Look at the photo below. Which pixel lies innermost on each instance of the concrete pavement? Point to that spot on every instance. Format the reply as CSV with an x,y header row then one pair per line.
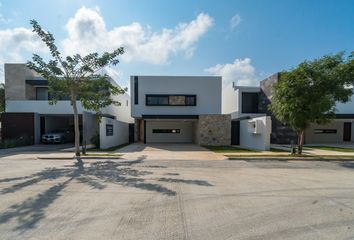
x,y
176,199
168,152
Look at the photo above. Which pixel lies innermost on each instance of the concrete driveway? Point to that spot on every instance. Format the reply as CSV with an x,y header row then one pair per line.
x,y
178,199
34,149
168,152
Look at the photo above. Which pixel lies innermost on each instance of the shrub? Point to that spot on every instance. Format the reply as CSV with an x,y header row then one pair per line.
x,y
95,140
21,141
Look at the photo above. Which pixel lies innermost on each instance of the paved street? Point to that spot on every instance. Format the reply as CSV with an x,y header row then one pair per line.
x,y
176,199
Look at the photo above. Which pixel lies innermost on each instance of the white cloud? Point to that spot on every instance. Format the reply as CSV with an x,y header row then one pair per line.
x,y
87,32
240,71
235,21
15,43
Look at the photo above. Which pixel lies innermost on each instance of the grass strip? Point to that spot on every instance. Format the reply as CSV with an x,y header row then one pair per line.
x,y
111,149
228,149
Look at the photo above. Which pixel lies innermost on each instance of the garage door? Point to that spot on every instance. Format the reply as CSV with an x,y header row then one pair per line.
x,y
169,132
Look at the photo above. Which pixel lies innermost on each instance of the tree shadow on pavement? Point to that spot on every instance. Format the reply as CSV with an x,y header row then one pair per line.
x,y
95,174
347,164
176,180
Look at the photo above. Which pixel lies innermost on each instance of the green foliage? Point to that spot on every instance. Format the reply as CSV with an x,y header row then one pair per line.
x,y
10,143
95,140
308,93
77,77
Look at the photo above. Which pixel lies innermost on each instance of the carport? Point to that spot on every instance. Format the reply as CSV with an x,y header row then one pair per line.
x,y
168,129
51,122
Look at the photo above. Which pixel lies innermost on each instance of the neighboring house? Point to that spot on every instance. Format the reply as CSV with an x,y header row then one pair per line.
x,y
179,109
250,127
28,113
340,130
252,102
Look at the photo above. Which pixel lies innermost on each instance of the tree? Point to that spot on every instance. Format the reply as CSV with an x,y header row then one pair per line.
x,y
76,77
308,93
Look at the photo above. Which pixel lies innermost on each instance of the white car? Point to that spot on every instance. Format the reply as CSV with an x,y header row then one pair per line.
x,y
58,136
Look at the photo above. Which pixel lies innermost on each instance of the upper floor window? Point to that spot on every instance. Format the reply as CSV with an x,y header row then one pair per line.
x,y
170,100
42,93
249,102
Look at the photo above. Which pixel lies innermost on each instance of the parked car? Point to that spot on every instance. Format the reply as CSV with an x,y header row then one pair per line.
x,y
58,136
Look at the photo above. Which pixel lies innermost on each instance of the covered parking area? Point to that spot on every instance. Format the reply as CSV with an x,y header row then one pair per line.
x,y
50,123
167,129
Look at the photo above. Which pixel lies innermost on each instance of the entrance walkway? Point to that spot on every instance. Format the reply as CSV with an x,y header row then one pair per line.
x,y
168,151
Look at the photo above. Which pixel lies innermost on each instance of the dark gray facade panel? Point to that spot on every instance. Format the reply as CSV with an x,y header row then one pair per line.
x,y
136,90
281,134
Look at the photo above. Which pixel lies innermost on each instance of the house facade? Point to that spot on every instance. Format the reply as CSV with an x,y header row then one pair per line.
x,y
250,127
28,113
247,103
179,109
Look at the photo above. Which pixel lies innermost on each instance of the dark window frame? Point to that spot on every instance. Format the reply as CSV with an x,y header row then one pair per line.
x,y
255,109
109,130
136,90
171,95
166,131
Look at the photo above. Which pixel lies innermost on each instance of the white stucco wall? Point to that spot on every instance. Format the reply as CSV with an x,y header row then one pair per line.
x,y
120,133
42,107
207,89
259,140
232,101
121,112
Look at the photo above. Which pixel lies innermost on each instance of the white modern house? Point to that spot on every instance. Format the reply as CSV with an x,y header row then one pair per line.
x,y
179,109
29,114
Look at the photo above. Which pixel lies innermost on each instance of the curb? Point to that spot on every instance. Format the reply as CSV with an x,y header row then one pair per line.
x,y
291,159
84,157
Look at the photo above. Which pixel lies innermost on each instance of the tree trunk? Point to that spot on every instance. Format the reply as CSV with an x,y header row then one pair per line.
x,y
300,142
76,125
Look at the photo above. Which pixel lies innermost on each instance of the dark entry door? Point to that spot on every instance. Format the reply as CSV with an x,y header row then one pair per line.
x,y
235,133
42,125
347,131
131,132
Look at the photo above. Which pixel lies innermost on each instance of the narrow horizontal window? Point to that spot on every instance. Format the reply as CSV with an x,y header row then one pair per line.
x,y
166,131
170,100
325,131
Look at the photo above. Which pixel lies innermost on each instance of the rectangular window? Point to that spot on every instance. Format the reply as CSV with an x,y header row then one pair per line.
x,y
175,131
170,100
249,102
190,100
136,90
325,131
42,93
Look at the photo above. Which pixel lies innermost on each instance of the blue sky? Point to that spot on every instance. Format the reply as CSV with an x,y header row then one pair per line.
x,y
244,41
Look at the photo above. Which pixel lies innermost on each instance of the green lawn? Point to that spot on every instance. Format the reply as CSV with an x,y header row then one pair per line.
x,y
111,149
279,150
102,155
329,148
228,149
